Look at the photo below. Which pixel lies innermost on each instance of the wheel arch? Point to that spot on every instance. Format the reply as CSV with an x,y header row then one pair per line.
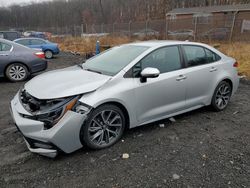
x,y
10,63
123,108
48,49
227,79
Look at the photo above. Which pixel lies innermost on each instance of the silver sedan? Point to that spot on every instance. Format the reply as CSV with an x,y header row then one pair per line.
x,y
125,87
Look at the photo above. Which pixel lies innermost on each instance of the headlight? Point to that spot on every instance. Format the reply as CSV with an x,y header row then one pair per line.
x,y
47,111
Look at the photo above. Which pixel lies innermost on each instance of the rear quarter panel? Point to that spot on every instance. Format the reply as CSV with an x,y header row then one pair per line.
x,y
27,57
226,70
52,47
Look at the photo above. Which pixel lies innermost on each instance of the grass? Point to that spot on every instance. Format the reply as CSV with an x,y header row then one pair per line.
x,y
241,52
238,50
86,45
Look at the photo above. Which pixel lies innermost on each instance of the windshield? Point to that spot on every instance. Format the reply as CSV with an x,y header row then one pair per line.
x,y
114,60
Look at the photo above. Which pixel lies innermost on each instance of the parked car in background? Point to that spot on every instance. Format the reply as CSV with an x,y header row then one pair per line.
x,y
27,33
17,62
216,34
125,87
49,48
184,34
146,32
38,35
10,35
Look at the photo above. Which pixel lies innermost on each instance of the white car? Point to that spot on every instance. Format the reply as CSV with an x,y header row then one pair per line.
x,y
124,87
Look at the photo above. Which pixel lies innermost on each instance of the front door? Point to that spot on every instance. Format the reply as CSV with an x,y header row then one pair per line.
x,y
165,94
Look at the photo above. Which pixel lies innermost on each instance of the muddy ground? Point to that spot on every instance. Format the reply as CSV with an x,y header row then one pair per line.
x,y
201,149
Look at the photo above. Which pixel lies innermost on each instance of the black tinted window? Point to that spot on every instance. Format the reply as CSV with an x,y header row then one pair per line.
x,y
211,56
195,55
24,42
165,59
5,47
37,42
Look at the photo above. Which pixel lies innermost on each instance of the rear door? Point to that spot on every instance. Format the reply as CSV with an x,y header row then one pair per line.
x,y
202,69
37,43
5,50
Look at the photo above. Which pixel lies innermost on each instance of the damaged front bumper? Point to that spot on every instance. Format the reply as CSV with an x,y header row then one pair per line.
x,y
63,136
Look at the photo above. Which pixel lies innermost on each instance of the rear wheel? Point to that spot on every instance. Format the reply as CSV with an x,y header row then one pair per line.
x,y
48,54
17,72
104,127
222,95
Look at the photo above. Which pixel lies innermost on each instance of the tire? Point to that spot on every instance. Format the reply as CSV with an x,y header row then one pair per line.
x,y
221,96
17,72
103,128
48,54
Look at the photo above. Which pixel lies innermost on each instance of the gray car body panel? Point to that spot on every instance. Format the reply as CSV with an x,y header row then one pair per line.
x,y
158,98
20,54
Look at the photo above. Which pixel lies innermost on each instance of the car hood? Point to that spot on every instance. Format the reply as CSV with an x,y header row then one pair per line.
x,y
65,82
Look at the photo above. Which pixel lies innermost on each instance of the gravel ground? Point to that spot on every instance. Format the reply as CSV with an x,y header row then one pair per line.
x,y
201,149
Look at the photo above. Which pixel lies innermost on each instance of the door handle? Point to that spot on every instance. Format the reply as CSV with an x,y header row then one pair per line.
x,y
213,69
181,77
3,54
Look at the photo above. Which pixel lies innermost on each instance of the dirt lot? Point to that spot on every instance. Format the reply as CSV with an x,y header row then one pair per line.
x,y
201,149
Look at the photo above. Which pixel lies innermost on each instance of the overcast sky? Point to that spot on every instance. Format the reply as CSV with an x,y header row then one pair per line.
x,y
19,2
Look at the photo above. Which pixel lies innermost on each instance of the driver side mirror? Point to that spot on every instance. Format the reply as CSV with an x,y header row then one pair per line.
x,y
149,72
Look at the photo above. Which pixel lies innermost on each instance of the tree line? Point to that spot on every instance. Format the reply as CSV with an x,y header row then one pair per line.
x,y
61,13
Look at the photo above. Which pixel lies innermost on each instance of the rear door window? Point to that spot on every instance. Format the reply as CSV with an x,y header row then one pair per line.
x,y
211,56
195,55
5,47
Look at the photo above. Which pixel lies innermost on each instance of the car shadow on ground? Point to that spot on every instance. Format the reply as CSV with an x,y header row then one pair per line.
x,y
141,130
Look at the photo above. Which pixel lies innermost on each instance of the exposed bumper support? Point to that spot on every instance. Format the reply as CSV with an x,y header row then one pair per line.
x,y
41,151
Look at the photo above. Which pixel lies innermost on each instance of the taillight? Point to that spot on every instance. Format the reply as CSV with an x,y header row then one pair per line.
x,y
40,55
236,64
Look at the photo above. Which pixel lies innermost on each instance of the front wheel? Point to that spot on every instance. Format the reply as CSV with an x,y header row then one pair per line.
x,y
104,127
222,95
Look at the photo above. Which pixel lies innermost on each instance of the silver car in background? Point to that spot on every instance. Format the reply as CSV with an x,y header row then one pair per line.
x,y
18,62
124,87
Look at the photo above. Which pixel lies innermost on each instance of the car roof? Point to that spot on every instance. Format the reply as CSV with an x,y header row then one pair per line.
x,y
162,43
159,43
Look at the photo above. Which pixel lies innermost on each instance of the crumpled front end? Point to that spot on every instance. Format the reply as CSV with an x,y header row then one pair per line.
x,y
48,127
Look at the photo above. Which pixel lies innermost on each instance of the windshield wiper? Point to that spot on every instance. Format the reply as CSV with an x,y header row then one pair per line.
x,y
93,71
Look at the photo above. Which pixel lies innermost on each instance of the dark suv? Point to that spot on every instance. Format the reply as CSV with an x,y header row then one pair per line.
x,y
10,35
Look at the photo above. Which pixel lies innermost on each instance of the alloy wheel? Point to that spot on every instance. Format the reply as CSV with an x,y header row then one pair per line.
x,y
17,72
105,128
222,96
